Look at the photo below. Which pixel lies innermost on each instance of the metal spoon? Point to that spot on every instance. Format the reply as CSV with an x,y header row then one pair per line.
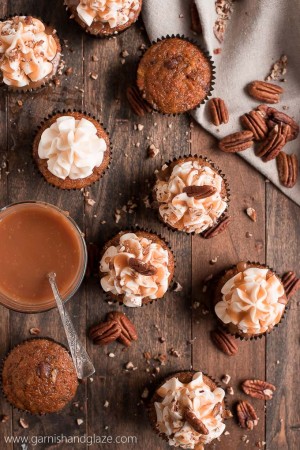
x,y
83,364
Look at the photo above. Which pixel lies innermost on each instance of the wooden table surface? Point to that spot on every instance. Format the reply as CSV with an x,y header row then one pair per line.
x,y
275,240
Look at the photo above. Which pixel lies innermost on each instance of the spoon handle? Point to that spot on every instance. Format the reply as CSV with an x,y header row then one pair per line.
x,y
83,364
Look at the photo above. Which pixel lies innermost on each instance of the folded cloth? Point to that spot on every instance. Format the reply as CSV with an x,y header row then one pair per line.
x,y
258,33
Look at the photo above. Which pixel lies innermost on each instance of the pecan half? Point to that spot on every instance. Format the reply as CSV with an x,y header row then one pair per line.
x,y
246,415
236,142
128,330
199,192
273,144
265,92
218,111
277,117
195,19
255,122
225,342
218,228
291,283
288,168
217,409
195,423
105,332
258,389
138,105
145,269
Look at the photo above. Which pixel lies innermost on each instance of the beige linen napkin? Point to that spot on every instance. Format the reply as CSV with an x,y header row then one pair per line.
x,y
258,33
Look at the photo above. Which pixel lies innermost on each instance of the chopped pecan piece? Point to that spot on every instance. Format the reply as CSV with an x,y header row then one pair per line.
x,y
225,342
138,105
236,142
265,92
246,415
277,117
288,168
273,144
195,19
105,332
227,414
255,122
128,330
145,269
259,389
218,111
217,409
218,228
200,192
195,423
291,284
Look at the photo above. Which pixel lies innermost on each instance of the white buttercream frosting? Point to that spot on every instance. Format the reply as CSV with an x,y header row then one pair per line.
x,y
26,51
186,213
198,397
121,279
114,12
250,301
72,148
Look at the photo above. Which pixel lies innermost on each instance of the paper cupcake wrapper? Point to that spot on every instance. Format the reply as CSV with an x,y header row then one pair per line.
x,y
208,57
50,116
25,411
45,81
258,336
113,298
227,188
150,404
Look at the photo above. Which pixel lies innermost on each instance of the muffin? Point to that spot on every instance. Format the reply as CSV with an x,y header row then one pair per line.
x,y
71,150
250,300
191,194
30,52
136,268
39,376
104,18
174,76
187,410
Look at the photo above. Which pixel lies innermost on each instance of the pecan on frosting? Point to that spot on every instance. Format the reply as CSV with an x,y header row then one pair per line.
x,y
200,401
120,278
251,301
26,51
114,12
190,213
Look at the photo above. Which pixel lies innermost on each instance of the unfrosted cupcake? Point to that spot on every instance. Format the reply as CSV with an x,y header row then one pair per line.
x,y
187,410
30,52
136,268
175,75
71,150
250,300
104,17
39,376
191,194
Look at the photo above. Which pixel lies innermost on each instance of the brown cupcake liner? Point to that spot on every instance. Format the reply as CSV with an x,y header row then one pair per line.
x,y
266,333
207,55
25,411
113,298
150,408
227,188
49,78
64,111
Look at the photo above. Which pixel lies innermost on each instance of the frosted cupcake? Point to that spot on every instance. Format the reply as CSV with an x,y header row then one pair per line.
x,y
30,52
187,410
71,150
136,268
104,17
191,194
250,300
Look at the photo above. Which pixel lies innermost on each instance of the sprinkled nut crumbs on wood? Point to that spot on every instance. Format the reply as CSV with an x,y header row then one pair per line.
x,y
4,418
94,75
177,287
251,213
152,151
230,390
111,355
79,421
23,423
34,331
106,404
145,393
140,127
226,378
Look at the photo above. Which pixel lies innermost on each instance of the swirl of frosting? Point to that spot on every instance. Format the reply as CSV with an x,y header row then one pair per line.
x,y
198,397
122,279
186,213
26,51
72,148
114,12
251,301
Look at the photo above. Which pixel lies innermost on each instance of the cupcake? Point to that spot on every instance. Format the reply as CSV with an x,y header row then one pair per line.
x,y
250,300
187,410
30,52
191,194
104,17
136,268
39,376
174,75
71,150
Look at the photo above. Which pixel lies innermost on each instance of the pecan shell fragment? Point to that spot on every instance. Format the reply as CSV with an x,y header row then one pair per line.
x,y
225,342
259,389
218,111
246,415
236,142
288,169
